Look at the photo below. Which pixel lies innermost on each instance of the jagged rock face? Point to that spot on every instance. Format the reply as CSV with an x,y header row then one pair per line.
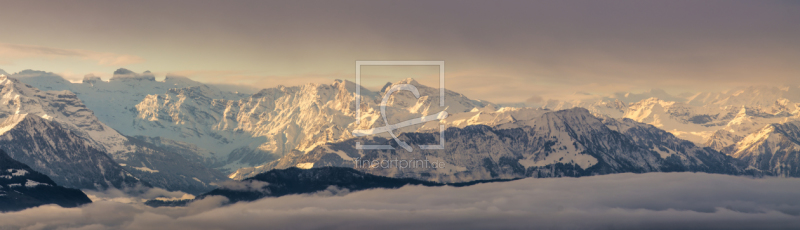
x,y
276,121
22,187
61,106
57,152
564,143
774,148
270,122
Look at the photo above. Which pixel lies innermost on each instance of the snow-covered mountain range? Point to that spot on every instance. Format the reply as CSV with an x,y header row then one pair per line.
x,y
774,148
730,122
185,135
557,143
65,157
53,131
230,130
275,121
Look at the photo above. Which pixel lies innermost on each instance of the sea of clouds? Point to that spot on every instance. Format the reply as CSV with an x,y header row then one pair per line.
x,y
620,201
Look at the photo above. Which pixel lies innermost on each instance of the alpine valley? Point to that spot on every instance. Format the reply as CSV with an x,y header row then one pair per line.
x,y
182,135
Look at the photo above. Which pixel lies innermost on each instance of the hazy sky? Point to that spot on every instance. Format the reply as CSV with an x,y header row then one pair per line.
x,y
501,51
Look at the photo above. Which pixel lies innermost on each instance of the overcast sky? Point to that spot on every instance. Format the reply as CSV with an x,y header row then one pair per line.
x,y
501,51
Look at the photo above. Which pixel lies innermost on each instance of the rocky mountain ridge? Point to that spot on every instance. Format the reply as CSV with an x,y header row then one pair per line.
x,y
555,144
22,187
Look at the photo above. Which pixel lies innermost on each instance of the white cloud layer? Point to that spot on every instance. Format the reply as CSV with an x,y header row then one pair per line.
x,y
622,201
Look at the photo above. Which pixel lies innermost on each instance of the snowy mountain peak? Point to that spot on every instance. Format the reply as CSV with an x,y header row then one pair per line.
x,y
72,127
349,86
123,71
178,80
122,74
760,135
21,119
61,106
91,79
12,121
411,81
385,87
578,122
743,111
774,148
